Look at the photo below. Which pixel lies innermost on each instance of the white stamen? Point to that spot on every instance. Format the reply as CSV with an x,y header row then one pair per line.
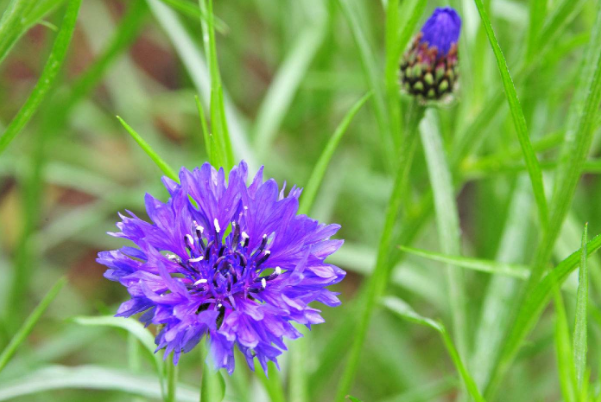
x,y
216,223
278,270
198,282
200,229
267,252
244,237
189,239
197,259
219,305
172,257
263,283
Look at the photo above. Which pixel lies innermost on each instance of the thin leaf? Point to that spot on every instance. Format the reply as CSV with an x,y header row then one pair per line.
x,y
447,222
488,266
565,363
580,327
169,172
134,328
89,377
29,323
285,85
533,305
534,170
194,12
402,309
12,24
46,81
321,166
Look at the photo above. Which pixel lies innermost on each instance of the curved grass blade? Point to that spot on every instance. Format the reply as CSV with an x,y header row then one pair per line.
x,y
402,309
580,327
194,12
132,327
44,84
534,170
321,166
30,322
169,172
89,377
488,266
563,348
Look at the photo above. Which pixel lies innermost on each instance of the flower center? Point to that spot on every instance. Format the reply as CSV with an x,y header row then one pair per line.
x,y
221,266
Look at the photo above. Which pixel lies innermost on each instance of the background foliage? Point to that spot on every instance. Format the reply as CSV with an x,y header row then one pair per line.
x,y
511,165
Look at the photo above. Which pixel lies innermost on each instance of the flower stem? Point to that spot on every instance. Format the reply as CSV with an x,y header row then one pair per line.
x,y
171,382
379,280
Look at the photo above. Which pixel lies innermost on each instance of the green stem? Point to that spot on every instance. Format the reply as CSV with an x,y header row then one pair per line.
x,y
379,280
171,382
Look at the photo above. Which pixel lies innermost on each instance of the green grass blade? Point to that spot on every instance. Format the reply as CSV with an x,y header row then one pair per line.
x,y
579,135
519,120
378,282
285,85
565,363
98,378
169,172
196,67
195,12
44,84
532,307
29,323
580,327
488,266
321,166
372,75
447,222
402,309
12,24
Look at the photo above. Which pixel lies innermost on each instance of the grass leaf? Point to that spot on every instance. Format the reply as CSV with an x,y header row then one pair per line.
x,y
519,120
46,80
52,378
447,222
29,323
169,172
488,266
580,327
402,309
321,166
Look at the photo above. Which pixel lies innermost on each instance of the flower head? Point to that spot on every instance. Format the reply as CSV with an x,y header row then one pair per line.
x,y
226,260
429,68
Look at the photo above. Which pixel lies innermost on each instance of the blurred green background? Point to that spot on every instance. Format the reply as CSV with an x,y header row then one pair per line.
x,y
291,70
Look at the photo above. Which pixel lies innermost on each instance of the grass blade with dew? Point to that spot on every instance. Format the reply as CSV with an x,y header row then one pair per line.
x,y
29,323
447,222
378,282
488,266
580,327
165,168
519,120
285,85
319,170
46,80
87,377
132,327
402,309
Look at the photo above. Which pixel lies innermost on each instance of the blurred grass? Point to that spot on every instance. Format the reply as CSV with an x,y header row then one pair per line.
x,y
289,72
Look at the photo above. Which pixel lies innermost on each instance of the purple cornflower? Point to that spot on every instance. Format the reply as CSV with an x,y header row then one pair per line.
x,y
429,68
226,260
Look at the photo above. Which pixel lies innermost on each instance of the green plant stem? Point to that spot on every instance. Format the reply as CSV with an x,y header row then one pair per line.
x,y
29,323
379,280
171,382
